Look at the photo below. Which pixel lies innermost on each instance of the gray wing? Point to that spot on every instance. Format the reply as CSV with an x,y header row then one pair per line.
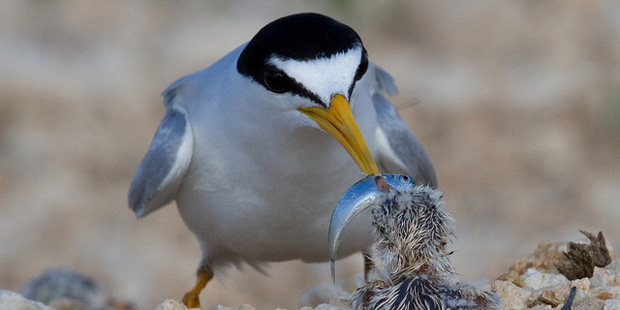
x,y
399,151
158,177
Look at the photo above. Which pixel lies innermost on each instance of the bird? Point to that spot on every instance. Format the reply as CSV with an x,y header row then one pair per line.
x,y
410,261
256,148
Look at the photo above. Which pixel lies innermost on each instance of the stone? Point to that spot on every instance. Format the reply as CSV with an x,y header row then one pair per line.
x,y
512,296
538,307
589,304
554,295
612,304
512,276
537,280
581,284
171,304
13,301
614,265
243,307
605,277
605,292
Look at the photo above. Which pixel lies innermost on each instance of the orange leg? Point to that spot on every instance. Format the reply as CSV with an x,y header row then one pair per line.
x,y
192,298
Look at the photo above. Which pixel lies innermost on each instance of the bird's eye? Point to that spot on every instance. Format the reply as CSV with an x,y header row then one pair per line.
x,y
363,67
406,179
276,81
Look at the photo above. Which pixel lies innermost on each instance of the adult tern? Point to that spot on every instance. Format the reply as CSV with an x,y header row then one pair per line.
x,y
251,147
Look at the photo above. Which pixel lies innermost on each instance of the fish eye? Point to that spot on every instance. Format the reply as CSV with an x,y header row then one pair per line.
x,y
276,81
406,179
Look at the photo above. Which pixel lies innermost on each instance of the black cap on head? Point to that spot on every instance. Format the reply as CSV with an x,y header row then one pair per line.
x,y
302,36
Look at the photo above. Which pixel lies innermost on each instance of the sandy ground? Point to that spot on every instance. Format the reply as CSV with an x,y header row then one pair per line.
x,y
518,106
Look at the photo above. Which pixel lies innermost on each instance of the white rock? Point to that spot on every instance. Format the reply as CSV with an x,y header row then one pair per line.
x,y
588,304
249,307
171,304
582,284
512,296
612,304
605,292
581,295
605,277
615,266
536,280
14,301
554,295
243,307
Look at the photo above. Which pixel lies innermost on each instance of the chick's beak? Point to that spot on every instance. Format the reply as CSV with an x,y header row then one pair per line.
x,y
338,121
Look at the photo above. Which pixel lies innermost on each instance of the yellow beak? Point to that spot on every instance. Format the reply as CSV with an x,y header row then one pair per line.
x,y
338,121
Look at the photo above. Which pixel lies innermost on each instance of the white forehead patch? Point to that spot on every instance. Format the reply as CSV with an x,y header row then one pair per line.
x,y
323,76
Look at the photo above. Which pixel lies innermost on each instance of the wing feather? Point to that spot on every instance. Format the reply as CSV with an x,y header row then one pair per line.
x,y
159,176
399,151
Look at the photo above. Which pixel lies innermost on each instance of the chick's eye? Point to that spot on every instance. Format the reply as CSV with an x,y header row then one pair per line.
x,y
276,81
363,67
406,179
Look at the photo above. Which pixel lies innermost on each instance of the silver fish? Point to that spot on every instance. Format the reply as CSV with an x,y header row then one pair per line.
x,y
357,198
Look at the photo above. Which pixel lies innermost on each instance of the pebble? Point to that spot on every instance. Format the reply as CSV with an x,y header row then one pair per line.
x,y
512,296
535,279
14,301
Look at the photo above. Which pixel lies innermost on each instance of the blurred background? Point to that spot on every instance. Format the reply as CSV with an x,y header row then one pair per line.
x,y
516,103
